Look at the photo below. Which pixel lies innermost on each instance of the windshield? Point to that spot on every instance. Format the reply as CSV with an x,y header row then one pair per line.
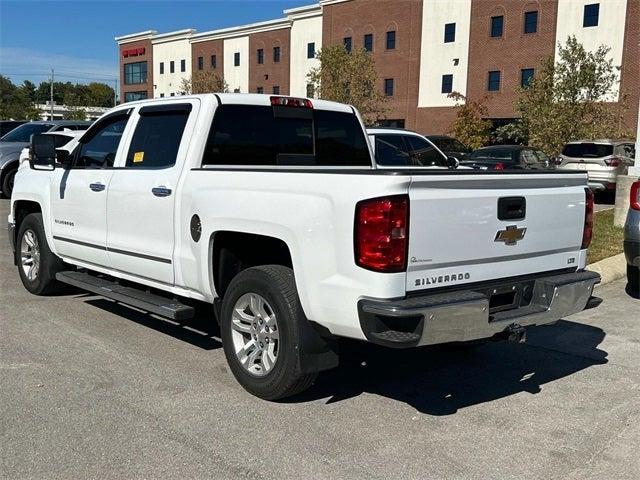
x,y
587,150
450,145
23,132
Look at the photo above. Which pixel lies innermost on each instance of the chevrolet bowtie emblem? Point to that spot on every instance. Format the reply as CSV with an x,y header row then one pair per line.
x,y
511,235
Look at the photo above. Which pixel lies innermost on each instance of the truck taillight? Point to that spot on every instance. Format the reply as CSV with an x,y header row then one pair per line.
x,y
634,197
382,233
613,161
587,231
291,102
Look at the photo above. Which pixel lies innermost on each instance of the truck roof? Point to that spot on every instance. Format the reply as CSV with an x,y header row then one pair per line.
x,y
257,99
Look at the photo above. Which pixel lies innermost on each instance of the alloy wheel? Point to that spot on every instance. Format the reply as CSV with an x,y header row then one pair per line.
x,y
255,334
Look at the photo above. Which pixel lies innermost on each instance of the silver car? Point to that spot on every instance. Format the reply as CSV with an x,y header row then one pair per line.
x,y
603,160
13,142
632,239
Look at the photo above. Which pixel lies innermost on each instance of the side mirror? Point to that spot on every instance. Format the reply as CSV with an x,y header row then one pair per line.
x,y
453,163
43,152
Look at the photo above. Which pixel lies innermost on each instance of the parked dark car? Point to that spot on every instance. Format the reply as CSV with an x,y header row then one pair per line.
x,y
450,146
508,157
7,125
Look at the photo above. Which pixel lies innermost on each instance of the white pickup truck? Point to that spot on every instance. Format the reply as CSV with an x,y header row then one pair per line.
x,y
273,210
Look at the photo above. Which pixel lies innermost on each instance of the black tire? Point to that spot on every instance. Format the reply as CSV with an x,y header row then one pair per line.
x,y
45,281
633,279
7,182
276,284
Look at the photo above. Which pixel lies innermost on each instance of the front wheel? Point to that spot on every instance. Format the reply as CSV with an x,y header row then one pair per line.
x,y
7,182
261,315
37,265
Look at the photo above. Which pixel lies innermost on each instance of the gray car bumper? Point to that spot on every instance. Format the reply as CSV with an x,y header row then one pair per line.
x,y
465,315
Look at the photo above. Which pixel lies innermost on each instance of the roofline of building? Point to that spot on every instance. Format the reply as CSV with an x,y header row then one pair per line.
x,y
242,30
303,12
132,37
183,34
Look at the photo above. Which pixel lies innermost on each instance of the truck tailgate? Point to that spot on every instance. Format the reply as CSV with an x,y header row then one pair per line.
x,y
457,237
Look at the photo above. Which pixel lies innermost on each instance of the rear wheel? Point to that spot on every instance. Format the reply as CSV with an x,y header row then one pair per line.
x,y
7,182
633,279
37,265
261,314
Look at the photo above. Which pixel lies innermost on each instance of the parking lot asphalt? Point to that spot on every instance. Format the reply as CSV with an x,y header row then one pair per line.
x,y
92,389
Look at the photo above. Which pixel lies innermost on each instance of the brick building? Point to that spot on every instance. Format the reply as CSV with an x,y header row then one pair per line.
x,y
423,50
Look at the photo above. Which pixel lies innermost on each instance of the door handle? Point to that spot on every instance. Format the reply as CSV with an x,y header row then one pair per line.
x,y
161,191
97,187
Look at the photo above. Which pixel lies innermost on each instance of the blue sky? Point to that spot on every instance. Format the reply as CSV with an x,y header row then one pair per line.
x,y
76,37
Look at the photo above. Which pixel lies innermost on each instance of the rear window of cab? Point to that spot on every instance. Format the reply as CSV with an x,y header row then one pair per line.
x,y
587,150
247,135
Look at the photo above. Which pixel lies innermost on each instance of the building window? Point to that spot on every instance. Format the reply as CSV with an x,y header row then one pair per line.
x,y
310,90
388,87
260,56
133,96
135,73
276,54
391,40
591,15
172,66
236,59
447,83
368,42
493,84
449,32
162,95
236,90
526,75
200,63
348,44
161,68
183,65
260,90
173,94
311,50
497,26
530,22
276,90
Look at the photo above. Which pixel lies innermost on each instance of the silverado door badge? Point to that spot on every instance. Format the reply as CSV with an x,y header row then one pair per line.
x,y
511,235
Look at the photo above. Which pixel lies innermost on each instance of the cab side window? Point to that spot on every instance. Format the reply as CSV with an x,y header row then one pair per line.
x,y
528,157
424,154
98,148
391,151
157,137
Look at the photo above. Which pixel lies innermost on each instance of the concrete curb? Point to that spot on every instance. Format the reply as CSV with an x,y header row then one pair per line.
x,y
610,269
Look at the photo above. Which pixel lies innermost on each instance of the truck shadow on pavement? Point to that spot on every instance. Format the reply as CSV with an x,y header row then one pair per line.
x,y
199,331
441,380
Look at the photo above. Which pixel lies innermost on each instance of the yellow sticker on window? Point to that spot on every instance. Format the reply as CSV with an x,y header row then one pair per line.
x,y
138,157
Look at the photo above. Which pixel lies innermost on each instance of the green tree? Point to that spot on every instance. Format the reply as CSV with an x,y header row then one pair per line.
x,y
16,102
349,78
204,81
470,126
72,101
100,95
571,99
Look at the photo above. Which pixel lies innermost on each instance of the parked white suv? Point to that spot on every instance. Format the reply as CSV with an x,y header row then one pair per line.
x,y
603,160
273,210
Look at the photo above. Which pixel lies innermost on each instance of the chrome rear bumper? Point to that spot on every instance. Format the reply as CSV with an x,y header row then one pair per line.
x,y
466,315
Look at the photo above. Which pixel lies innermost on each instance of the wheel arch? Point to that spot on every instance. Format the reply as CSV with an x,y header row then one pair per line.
x,y
234,251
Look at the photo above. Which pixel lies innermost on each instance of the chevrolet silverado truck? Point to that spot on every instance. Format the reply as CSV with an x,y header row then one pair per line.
x,y
272,209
